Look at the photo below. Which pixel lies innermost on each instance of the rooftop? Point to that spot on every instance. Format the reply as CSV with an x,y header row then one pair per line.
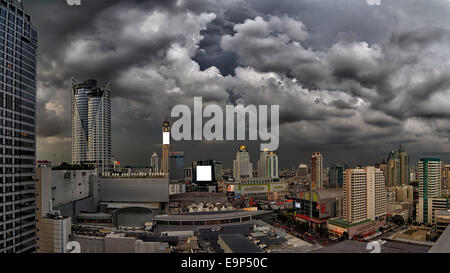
x,y
351,246
238,243
342,223
205,216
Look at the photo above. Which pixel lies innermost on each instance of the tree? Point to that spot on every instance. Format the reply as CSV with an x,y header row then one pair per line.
x,y
345,235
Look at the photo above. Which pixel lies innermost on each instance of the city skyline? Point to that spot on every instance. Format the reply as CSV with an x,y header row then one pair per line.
x,y
366,88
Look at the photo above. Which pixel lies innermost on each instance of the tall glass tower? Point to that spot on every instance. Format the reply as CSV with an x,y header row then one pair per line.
x,y
91,125
18,45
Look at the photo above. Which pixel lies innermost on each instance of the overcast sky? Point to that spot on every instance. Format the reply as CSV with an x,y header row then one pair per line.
x,y
353,81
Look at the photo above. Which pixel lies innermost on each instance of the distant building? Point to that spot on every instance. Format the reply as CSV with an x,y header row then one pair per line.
x,y
336,176
154,163
242,167
91,125
317,171
176,173
397,168
442,221
165,160
302,171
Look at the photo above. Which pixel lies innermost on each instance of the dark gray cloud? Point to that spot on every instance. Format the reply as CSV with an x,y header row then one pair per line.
x,y
352,80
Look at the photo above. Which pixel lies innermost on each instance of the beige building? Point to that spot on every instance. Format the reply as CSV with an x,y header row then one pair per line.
x,y
53,233
364,195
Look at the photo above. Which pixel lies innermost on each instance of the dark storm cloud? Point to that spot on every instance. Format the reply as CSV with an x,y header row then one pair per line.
x,y
346,75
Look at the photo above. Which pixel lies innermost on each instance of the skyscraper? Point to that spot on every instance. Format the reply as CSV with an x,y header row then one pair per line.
x,y
364,195
268,164
430,192
242,167
91,125
18,46
397,168
165,147
154,163
176,173
336,176
317,171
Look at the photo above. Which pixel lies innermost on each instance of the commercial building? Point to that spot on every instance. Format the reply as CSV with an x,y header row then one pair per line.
x,y
317,171
176,173
237,243
326,204
431,200
18,45
364,204
268,164
397,169
302,172
242,167
336,176
442,221
91,125
257,185
53,233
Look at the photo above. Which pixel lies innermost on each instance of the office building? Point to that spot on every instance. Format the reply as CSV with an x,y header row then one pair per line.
x,y
268,164
317,171
154,163
18,45
431,200
336,176
91,125
242,167
364,195
176,173
397,168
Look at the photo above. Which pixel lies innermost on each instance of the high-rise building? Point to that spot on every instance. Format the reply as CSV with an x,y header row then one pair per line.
x,y
317,171
430,191
336,176
397,168
165,147
176,173
154,163
262,163
364,195
242,167
18,46
91,125
268,164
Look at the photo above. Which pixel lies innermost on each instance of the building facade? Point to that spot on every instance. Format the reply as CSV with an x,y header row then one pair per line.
x,y
336,176
317,171
18,46
397,168
154,163
91,125
165,160
242,167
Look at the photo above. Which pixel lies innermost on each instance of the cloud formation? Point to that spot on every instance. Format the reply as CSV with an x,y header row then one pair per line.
x,y
353,81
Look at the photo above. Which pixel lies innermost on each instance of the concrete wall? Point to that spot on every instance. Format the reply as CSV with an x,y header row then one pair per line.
x,y
116,243
134,189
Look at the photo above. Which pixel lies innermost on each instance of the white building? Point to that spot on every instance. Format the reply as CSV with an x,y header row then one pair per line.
x,y
268,164
364,195
91,125
242,168
317,170
154,163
